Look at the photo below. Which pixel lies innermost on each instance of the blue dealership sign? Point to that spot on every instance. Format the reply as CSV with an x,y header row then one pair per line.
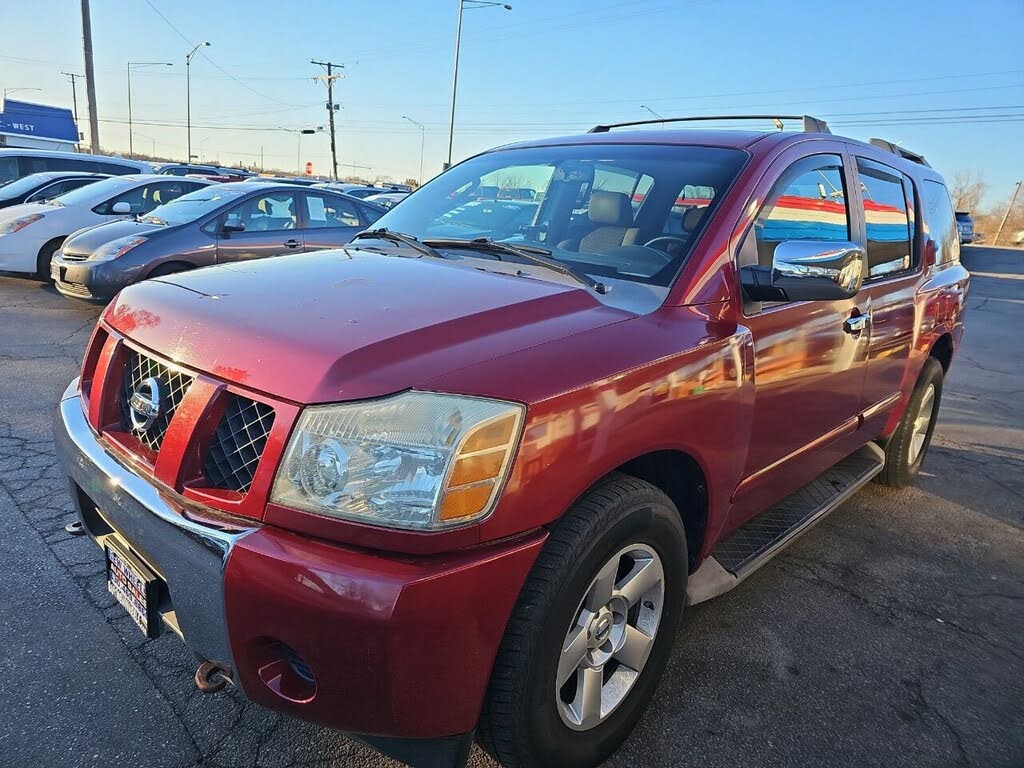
x,y
38,121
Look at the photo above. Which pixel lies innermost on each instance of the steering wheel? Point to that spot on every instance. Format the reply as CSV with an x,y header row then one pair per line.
x,y
667,244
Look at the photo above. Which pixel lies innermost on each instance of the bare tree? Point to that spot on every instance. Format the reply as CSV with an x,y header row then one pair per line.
x,y
967,188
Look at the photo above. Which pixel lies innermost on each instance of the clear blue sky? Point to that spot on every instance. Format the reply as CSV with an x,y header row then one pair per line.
x,y
547,67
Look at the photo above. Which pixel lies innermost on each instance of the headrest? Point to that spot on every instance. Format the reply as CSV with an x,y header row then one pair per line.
x,y
610,208
692,218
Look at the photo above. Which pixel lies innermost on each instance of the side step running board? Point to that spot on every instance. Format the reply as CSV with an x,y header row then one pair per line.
x,y
757,541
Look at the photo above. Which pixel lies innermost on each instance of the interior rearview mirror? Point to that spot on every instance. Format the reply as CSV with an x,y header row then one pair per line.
x,y
121,207
807,270
233,225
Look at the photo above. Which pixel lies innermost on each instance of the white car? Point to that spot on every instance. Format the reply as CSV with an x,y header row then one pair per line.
x,y
31,233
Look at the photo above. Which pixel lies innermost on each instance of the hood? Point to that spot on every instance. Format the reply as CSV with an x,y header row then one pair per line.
x,y
26,209
347,324
87,240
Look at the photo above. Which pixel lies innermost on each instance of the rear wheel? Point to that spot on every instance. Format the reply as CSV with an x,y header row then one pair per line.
x,y
906,449
591,632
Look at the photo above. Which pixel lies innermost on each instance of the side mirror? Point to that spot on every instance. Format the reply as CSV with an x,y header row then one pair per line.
x,y
232,225
121,208
807,270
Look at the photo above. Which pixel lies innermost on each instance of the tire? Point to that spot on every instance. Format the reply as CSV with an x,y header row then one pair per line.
x,y
45,257
906,448
527,721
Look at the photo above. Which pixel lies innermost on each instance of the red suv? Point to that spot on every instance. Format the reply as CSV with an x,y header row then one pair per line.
x,y
431,487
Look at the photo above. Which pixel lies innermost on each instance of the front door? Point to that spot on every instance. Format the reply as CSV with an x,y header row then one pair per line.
x,y
269,227
808,362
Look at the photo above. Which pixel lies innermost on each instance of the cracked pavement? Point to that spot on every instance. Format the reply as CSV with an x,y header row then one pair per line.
x,y
889,635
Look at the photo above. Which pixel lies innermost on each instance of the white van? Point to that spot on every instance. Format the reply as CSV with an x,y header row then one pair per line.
x,y
15,163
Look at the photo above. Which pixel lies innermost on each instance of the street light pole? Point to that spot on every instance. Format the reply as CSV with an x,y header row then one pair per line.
x,y
130,65
188,98
423,134
12,90
455,72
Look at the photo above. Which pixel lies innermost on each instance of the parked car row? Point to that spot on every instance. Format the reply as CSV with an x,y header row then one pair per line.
x,y
93,233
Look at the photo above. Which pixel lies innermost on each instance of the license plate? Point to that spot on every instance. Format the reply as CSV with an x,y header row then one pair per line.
x,y
134,586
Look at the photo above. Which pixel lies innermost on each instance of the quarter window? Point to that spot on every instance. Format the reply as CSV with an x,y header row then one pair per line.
x,y
886,219
940,222
809,202
328,211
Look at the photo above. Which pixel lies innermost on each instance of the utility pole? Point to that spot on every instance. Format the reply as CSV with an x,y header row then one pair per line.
x,y
1009,208
90,79
329,78
188,99
74,98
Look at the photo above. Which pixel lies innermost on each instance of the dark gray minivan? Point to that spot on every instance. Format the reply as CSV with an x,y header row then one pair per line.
x,y
213,225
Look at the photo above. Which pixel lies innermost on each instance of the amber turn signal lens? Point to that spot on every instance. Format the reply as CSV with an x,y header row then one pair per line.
x,y
494,435
466,502
473,469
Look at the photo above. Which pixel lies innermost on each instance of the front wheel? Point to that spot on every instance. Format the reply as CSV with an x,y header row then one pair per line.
x,y
906,449
591,632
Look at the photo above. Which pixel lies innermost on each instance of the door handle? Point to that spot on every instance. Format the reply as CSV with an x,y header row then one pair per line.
x,y
855,324
292,243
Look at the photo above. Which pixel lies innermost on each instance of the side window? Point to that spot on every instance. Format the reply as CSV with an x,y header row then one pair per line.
x,y
270,212
143,199
8,169
329,211
886,218
112,168
39,165
808,202
370,215
165,191
939,222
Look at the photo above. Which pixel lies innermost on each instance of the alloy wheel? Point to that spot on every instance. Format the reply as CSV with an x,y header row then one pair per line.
x,y
921,424
611,637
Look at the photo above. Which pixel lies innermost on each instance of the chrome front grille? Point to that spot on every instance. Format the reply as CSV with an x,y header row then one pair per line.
x,y
73,256
172,384
238,444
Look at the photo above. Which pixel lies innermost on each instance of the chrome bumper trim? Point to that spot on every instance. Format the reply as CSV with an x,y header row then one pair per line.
x,y
189,556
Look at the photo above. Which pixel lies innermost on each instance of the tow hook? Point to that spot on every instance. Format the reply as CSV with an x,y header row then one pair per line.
x,y
211,676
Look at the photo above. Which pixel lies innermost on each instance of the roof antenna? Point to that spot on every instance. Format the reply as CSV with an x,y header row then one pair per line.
x,y
778,123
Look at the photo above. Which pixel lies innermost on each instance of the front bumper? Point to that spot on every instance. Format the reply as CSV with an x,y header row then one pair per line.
x,y
394,647
91,279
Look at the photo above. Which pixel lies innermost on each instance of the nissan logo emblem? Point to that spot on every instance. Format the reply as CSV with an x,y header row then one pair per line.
x,y
145,404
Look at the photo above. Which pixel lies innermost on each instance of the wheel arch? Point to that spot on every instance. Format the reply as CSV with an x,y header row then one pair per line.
x,y
942,350
680,477
181,266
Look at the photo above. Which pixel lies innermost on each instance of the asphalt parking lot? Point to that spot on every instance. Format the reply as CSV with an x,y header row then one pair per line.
x,y
891,635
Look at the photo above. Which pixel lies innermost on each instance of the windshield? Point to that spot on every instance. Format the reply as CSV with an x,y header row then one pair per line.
x,y
90,193
626,212
193,205
23,185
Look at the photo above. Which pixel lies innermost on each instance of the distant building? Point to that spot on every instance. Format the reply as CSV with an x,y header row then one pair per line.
x,y
37,126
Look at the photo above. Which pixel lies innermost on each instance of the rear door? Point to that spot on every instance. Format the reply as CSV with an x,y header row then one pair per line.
x,y
270,224
887,201
329,220
808,369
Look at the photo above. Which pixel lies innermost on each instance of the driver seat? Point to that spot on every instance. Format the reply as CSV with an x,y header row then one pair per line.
x,y
611,217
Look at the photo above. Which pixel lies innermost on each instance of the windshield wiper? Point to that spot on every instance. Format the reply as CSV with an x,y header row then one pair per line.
x,y
533,254
382,233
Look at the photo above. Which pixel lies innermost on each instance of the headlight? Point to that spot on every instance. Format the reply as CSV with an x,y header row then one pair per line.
x,y
417,460
19,223
116,248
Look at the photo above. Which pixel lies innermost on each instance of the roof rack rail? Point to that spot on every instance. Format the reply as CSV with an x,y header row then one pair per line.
x,y
810,124
899,151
